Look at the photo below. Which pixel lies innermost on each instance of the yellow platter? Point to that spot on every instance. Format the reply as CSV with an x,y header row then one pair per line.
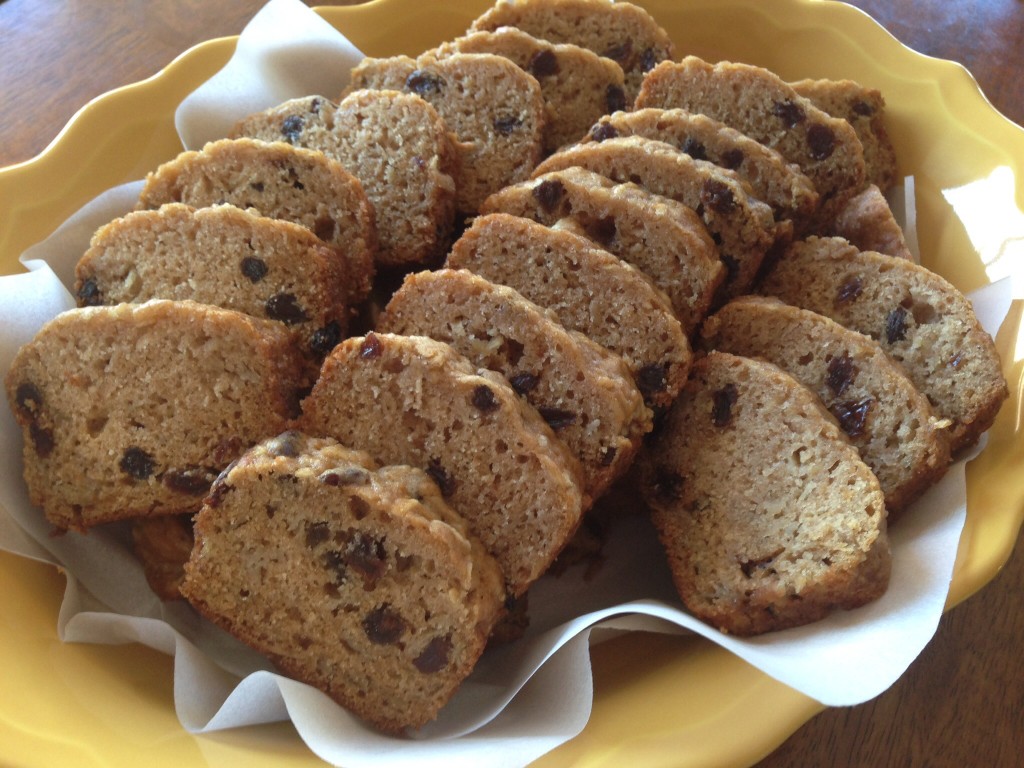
x,y
660,700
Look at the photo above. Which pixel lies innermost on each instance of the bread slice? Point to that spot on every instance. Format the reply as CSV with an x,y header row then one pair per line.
x,y
416,401
772,179
279,181
578,86
743,227
919,318
268,268
623,32
396,145
760,104
868,222
162,546
876,405
133,410
768,516
583,391
661,237
589,290
354,578
494,109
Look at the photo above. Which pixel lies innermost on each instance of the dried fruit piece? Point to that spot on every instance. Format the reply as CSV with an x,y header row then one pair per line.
x,y
435,656
841,374
137,463
384,625
254,269
723,399
896,325
549,193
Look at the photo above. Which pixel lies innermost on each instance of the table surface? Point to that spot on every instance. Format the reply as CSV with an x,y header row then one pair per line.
x,y
962,701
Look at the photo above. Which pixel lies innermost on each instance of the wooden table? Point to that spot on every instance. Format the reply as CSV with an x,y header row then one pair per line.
x,y
962,702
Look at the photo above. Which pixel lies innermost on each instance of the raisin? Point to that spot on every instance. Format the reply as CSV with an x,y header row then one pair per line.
x,y
821,140
384,625
732,159
334,561
286,444
254,269
601,229
694,148
549,194
852,415
424,83
218,490
28,399
652,379
648,60
603,131
291,128
724,399
791,113
483,399
192,481
667,485
862,108
850,290
557,418
137,463
358,507
620,53
841,374
438,474
367,557
717,196
434,657
325,339
507,124
544,63
256,186
42,440
317,533
524,382
89,295
347,476
608,456
325,228
371,347
284,307
615,98
896,325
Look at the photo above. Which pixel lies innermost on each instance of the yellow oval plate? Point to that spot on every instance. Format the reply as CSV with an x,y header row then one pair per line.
x,y
660,700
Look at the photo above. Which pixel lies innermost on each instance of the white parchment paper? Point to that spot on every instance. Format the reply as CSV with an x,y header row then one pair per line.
x,y
525,698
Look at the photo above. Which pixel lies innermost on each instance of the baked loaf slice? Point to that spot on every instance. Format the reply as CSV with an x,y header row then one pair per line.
x,y
868,222
584,392
162,546
919,319
623,32
282,182
661,237
133,410
416,401
743,226
222,255
876,405
768,516
864,109
494,108
772,179
760,104
589,290
354,578
396,145
578,86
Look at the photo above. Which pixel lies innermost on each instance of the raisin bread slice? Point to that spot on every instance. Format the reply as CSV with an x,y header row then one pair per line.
x,y
768,516
583,391
771,178
876,405
494,108
354,578
760,104
133,410
661,237
222,255
623,32
396,145
589,290
279,181
578,86
416,401
743,226
919,318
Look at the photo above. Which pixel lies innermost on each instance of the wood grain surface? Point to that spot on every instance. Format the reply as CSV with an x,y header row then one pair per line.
x,y
962,702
